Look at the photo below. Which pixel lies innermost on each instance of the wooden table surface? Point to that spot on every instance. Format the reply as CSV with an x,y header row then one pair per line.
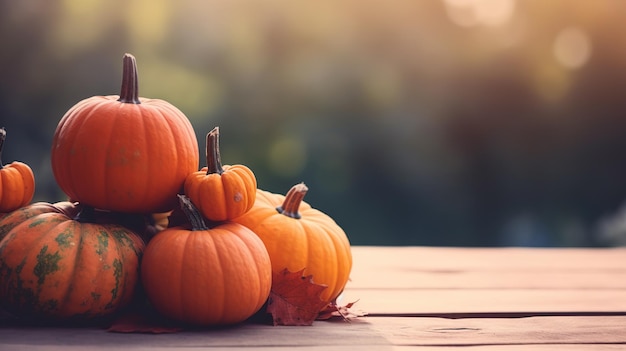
x,y
421,298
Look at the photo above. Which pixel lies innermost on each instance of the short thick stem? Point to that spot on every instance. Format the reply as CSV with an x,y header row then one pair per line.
x,y
130,86
192,213
213,158
292,202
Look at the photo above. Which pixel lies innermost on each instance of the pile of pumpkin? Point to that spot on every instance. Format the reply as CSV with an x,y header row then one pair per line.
x,y
143,223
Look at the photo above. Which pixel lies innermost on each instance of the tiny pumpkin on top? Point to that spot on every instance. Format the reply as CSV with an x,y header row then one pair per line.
x,y
221,192
17,182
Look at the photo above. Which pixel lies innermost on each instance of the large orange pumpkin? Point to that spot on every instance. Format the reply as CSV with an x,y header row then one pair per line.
x,y
17,182
298,237
56,267
206,276
221,192
124,153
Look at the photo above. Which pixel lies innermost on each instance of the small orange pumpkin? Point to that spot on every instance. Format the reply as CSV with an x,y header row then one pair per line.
x,y
124,153
17,182
56,267
221,192
298,237
206,276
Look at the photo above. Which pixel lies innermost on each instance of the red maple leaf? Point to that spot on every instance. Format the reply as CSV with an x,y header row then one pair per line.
x,y
294,298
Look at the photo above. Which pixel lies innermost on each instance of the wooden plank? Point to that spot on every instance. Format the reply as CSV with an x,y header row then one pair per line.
x,y
390,277
503,331
244,336
525,347
445,301
419,267
372,333
490,259
418,280
198,348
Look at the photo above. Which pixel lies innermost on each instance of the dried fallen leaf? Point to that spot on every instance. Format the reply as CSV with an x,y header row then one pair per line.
x,y
294,298
345,312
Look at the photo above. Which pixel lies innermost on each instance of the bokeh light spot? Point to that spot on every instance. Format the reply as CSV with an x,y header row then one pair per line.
x,y
572,47
468,13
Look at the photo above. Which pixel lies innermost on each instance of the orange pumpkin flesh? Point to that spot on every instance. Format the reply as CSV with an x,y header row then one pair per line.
x,y
298,237
56,267
124,153
206,276
17,182
221,192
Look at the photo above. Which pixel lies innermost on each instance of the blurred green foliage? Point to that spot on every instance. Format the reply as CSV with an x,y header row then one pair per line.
x,y
435,122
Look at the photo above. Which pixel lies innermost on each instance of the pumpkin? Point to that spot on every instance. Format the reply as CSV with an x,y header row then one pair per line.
x,y
298,237
54,267
206,276
221,192
124,153
17,182
12,219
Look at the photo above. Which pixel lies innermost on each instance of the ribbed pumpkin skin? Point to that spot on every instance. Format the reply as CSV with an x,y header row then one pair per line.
x,y
222,197
12,219
17,182
17,186
313,242
218,276
53,267
124,157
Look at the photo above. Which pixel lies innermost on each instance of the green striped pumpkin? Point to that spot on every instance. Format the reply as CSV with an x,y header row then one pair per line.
x,y
56,267
10,220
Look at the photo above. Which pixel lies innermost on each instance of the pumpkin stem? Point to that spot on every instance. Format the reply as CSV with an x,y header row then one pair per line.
x,y
87,214
130,85
213,158
3,135
192,213
292,202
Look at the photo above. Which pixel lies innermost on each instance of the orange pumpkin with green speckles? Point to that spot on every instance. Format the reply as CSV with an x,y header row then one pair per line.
x,y
12,219
56,267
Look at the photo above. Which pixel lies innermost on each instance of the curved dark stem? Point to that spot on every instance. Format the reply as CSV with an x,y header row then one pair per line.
x,y
130,84
292,202
3,136
213,158
192,213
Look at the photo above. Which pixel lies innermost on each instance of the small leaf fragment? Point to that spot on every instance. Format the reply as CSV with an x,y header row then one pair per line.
x,y
345,312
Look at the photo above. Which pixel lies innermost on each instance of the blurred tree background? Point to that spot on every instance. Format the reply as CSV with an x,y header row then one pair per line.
x,y
434,122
